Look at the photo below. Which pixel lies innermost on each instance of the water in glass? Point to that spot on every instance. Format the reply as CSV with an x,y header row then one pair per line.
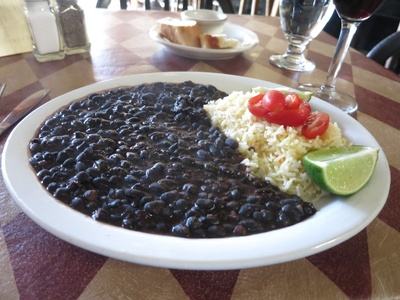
x,y
301,21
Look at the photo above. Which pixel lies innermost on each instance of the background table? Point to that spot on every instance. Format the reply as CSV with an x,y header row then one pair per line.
x,y
36,265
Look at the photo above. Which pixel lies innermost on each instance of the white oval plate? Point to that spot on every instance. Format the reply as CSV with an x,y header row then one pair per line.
x,y
248,39
337,219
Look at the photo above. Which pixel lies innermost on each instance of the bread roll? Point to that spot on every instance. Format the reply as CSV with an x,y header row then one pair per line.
x,y
183,32
217,41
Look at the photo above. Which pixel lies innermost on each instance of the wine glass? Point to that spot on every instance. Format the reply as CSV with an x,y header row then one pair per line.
x,y
351,13
301,21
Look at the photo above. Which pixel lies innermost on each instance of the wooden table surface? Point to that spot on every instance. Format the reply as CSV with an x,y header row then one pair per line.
x,y
37,265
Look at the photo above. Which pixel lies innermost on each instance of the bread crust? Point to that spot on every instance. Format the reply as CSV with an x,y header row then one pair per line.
x,y
179,31
217,41
209,41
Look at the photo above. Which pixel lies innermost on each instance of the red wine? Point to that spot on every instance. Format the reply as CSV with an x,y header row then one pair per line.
x,y
356,10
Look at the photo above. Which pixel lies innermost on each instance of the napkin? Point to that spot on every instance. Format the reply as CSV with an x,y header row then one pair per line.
x,y
15,36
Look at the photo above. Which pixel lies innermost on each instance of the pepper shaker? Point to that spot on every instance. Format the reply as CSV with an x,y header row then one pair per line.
x,y
73,27
45,31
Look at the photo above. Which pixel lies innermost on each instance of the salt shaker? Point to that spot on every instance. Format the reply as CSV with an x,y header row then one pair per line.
x,y
45,31
73,27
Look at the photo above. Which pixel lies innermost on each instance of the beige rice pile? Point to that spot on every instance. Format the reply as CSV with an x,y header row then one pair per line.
x,y
271,151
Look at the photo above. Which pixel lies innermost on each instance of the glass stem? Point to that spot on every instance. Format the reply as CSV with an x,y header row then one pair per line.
x,y
295,52
348,29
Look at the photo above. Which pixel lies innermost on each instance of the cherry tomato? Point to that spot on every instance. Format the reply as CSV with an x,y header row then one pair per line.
x,y
290,117
255,106
315,125
274,100
292,101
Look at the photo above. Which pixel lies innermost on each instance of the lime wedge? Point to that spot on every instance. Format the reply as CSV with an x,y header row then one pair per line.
x,y
341,170
305,95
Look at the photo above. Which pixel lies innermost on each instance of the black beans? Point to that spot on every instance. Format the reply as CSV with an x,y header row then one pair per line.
x,y
231,143
147,158
154,207
205,204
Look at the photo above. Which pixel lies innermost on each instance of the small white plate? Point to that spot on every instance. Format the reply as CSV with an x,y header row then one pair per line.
x,y
248,39
337,218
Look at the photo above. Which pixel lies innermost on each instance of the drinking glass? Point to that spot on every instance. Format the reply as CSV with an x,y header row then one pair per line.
x,y
351,13
301,21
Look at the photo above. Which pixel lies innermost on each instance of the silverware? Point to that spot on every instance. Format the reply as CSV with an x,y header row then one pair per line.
x,y
2,88
22,109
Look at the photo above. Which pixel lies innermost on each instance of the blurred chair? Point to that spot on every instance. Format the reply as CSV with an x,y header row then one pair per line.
x,y
271,7
387,52
106,3
123,4
103,3
225,5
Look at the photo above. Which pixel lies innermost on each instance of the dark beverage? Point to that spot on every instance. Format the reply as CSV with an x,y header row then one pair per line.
x,y
356,10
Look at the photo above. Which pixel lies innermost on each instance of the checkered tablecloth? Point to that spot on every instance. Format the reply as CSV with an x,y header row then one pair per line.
x,y
37,265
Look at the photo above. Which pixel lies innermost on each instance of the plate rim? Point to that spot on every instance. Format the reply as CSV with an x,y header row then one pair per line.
x,y
160,256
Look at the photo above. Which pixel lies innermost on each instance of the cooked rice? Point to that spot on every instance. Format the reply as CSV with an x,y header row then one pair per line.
x,y
271,151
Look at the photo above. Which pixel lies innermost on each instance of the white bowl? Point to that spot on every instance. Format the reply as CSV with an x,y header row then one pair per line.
x,y
210,21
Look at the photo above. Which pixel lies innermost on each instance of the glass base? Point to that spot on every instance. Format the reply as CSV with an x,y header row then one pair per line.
x,y
284,62
342,101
